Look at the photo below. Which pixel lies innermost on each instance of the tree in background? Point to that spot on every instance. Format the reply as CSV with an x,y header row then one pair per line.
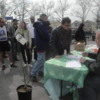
x,y
96,12
61,9
21,8
34,9
47,7
83,9
3,8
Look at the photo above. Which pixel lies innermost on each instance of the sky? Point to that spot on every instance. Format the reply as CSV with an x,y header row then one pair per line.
x,y
72,16
70,13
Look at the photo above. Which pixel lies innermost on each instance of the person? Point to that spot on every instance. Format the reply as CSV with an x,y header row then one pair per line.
x,y
11,36
80,34
25,48
42,37
31,32
92,80
48,53
61,38
4,45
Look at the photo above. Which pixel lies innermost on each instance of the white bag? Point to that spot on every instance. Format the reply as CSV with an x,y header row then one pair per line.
x,y
21,39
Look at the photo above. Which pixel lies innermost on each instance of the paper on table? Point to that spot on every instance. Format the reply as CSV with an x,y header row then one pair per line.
x,y
73,63
75,57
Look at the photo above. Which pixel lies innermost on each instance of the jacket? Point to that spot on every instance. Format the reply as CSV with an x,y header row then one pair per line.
x,y
60,41
42,36
94,66
80,36
11,31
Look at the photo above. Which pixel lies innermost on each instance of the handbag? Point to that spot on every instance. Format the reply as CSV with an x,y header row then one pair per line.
x,y
80,46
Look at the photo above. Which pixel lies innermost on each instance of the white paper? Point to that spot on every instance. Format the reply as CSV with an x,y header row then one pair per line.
x,y
73,63
18,36
21,39
75,57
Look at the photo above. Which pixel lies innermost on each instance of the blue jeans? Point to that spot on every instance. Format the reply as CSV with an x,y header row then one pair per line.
x,y
39,65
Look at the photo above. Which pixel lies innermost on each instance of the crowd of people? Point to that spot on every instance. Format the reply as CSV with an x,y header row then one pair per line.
x,y
46,43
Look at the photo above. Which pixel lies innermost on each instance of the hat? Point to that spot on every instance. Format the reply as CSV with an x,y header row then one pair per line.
x,y
14,20
43,15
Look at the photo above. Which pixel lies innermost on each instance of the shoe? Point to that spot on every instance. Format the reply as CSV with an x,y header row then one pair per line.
x,y
13,66
41,74
34,79
3,67
25,65
29,65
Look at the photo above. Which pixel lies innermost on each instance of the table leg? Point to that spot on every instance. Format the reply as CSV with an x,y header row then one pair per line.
x,y
61,89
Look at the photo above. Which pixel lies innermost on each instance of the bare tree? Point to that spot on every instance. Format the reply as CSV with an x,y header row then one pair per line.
x,y
34,10
21,8
6,8
97,2
83,9
3,9
47,7
97,8
61,9
96,12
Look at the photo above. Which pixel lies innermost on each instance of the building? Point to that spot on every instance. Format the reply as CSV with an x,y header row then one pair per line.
x,y
88,25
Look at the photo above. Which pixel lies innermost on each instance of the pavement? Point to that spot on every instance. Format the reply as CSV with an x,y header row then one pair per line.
x,y
11,78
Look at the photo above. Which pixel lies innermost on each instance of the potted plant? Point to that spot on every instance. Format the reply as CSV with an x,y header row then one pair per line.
x,y
25,91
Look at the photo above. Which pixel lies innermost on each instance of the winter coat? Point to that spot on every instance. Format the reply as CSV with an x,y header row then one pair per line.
x,y
60,41
94,66
80,36
42,35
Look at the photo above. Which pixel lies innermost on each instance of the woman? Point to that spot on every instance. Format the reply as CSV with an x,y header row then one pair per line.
x,y
26,48
80,34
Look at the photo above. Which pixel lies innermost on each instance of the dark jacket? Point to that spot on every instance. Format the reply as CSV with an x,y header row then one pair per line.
x,y
11,31
94,66
42,36
80,36
60,40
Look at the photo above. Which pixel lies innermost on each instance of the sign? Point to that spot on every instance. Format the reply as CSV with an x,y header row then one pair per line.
x,y
21,39
9,18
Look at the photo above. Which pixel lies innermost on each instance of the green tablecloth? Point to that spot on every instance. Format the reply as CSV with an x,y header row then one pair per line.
x,y
55,70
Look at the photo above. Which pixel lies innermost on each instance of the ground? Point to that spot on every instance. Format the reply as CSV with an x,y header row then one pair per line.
x,y
11,78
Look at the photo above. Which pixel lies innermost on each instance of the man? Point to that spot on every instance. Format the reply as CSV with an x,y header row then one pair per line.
x,y
92,81
11,36
31,31
4,45
42,43
61,38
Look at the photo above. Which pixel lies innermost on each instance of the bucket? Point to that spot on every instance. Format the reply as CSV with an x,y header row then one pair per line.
x,y
24,93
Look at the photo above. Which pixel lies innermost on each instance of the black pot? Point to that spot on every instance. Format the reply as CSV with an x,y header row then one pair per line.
x,y
24,95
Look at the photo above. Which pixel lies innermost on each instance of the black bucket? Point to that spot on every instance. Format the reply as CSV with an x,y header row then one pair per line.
x,y
24,95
